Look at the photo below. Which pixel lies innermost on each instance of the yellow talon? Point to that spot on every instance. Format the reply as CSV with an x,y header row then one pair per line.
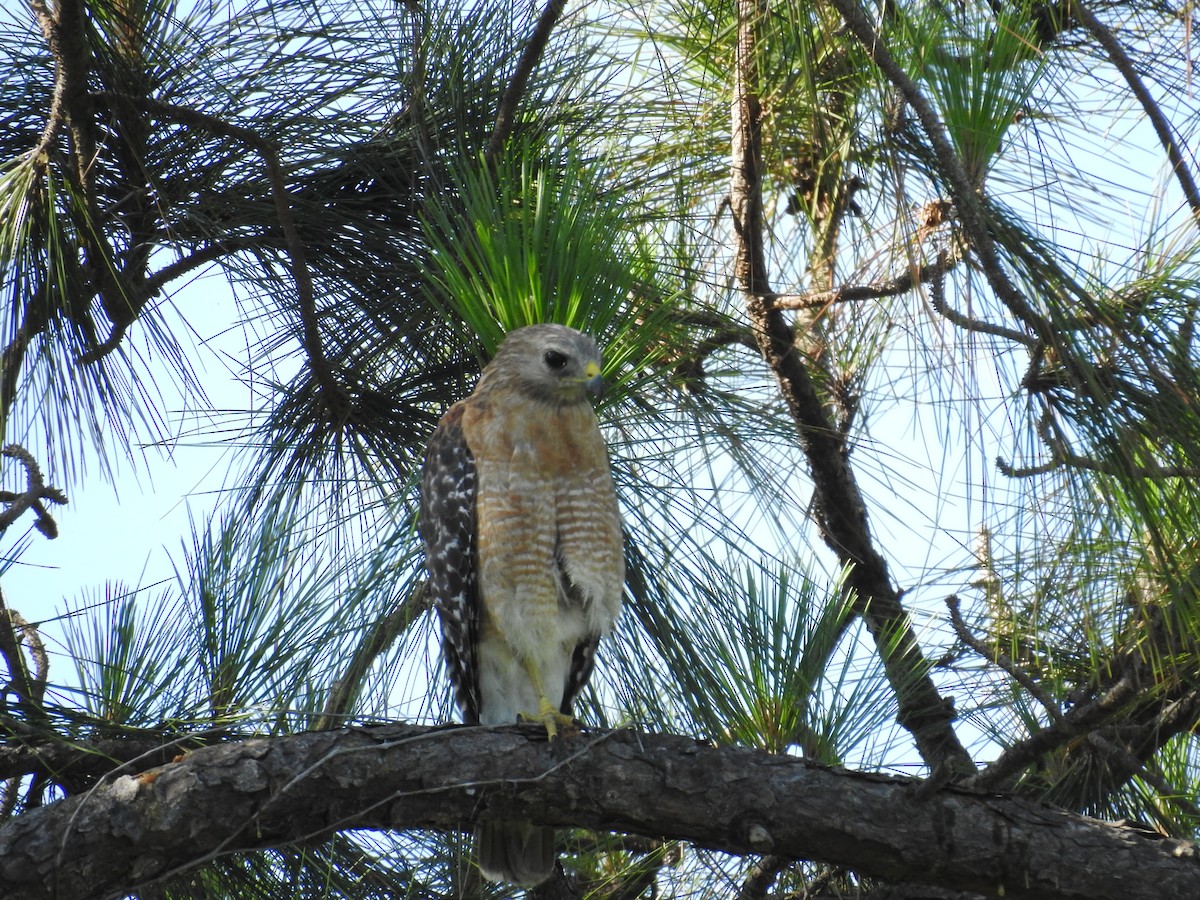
x,y
550,718
547,714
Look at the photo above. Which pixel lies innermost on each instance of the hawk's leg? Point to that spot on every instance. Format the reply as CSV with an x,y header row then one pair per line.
x,y
550,717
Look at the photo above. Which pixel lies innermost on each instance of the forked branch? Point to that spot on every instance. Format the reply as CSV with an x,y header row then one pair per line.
x,y
322,369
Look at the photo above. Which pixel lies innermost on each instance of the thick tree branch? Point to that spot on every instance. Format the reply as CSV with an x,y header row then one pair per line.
x,y
841,510
79,765
269,791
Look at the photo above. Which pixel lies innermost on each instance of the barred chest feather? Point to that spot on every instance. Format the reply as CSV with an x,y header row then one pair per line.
x,y
550,555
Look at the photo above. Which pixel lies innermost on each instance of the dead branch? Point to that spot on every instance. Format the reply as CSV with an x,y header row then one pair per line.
x,y
35,492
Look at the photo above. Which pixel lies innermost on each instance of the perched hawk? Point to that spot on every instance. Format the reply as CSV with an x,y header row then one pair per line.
x,y
523,545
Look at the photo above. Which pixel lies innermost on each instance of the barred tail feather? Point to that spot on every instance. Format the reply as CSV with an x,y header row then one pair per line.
x,y
515,851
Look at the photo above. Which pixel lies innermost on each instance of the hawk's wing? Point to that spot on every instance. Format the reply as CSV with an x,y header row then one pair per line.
x,y
448,529
583,660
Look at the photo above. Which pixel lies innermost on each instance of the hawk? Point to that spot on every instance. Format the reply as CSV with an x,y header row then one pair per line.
x,y
523,546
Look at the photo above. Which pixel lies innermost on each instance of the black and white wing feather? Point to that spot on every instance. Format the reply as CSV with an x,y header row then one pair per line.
x,y
447,525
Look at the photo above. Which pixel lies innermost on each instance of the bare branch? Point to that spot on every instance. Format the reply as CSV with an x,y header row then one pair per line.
x,y
917,274
937,292
29,687
1079,721
1167,792
762,877
36,490
1061,456
1000,658
840,507
189,263
311,334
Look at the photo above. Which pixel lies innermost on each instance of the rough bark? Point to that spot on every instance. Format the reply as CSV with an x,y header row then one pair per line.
x,y
269,791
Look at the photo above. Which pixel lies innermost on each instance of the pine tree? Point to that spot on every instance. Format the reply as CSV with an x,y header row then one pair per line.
x,y
898,302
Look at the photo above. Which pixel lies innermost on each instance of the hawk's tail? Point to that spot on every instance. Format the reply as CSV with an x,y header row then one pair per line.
x,y
515,851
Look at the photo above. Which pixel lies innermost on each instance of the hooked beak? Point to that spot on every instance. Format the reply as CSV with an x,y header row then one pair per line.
x,y
595,381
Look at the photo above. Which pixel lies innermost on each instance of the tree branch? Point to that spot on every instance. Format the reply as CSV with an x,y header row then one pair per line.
x,y
841,510
378,639
966,196
336,394
1079,721
507,113
35,492
918,273
265,792
1120,59
1001,659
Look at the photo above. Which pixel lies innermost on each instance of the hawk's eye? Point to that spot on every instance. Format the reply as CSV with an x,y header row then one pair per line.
x,y
555,360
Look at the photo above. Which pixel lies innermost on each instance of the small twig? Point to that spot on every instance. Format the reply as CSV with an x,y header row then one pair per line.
x,y
916,274
762,877
1062,457
1166,790
635,881
1010,471
37,652
28,687
181,267
507,113
1074,461
1001,659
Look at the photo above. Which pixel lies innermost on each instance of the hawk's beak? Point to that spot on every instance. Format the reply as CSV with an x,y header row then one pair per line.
x,y
595,381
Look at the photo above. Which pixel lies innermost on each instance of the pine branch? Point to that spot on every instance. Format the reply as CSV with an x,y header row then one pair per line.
x,y
375,643
513,94
1120,59
841,509
1078,722
963,191
36,490
336,396
265,792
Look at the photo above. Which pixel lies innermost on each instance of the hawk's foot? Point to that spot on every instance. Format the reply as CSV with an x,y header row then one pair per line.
x,y
551,719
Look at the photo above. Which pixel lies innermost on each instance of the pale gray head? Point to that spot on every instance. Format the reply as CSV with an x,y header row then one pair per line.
x,y
552,363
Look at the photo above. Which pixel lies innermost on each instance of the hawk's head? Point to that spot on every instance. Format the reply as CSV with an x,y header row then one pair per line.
x,y
551,363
